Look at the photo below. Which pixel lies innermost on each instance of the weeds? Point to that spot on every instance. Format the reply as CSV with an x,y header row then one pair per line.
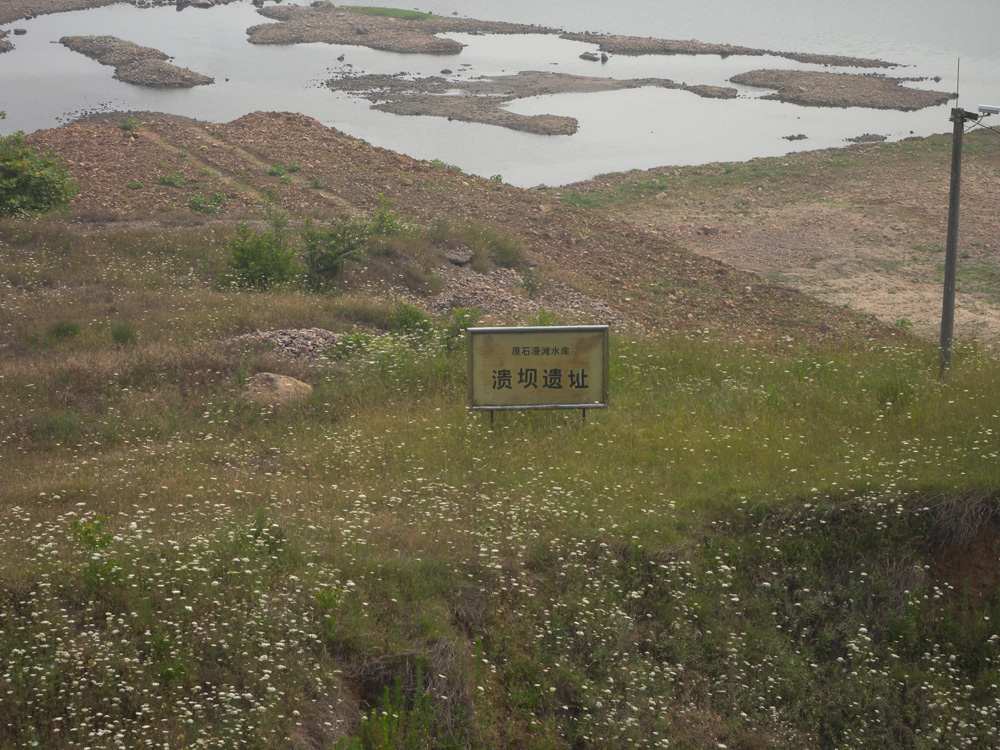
x,y
210,205
172,179
123,333
63,329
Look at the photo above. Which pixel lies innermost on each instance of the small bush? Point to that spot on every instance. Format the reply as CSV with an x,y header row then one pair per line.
x,y
409,319
129,123
31,182
260,260
134,185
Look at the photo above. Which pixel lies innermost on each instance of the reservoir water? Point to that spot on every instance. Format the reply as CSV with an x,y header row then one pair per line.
x,y
43,84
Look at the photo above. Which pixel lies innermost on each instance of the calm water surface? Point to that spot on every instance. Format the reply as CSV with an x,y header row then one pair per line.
x,y
43,84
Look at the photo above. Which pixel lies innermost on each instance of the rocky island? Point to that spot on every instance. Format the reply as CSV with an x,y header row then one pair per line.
x,y
142,66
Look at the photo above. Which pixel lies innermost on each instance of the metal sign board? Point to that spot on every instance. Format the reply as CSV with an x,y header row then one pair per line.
x,y
545,367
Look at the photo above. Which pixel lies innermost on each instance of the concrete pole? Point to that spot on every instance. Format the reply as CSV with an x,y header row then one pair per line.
x,y
958,117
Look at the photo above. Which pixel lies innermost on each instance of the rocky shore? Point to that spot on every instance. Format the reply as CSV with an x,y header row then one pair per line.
x,y
482,100
142,66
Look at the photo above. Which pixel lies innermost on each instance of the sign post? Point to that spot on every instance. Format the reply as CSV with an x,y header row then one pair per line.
x,y
545,367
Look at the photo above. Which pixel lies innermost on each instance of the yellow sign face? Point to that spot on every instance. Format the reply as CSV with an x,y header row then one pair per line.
x,y
563,367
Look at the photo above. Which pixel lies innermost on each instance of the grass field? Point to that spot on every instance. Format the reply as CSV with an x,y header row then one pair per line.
x,y
760,543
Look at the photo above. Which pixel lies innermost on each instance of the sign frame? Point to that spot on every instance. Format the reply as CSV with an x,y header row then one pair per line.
x,y
604,332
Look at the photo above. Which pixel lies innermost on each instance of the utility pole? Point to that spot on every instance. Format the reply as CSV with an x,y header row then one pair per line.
x,y
959,117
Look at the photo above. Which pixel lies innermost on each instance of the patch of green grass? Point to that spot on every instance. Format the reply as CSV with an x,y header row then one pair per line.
x,y
582,200
409,15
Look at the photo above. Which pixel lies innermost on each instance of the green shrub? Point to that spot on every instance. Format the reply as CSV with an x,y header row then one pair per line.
x,y
134,185
31,182
260,260
325,251
129,123
172,179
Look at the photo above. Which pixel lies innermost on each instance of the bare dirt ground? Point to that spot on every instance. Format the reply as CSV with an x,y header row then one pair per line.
x,y
862,227
592,266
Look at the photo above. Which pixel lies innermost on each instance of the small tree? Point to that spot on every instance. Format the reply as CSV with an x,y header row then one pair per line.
x,y
260,260
326,251
31,182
